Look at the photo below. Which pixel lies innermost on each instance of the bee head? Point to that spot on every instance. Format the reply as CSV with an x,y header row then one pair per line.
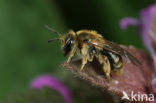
x,y
67,40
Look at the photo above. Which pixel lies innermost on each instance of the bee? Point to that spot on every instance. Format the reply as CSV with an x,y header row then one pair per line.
x,y
88,44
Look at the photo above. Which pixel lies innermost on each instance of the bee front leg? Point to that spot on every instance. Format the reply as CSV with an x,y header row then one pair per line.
x,y
84,61
71,54
106,67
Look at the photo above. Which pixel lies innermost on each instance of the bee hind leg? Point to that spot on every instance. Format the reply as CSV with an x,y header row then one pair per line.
x,y
106,68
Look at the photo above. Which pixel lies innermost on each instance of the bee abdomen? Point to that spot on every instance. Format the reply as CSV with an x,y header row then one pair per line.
x,y
117,66
114,59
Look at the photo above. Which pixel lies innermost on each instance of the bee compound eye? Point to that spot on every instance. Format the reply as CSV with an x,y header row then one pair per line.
x,y
68,46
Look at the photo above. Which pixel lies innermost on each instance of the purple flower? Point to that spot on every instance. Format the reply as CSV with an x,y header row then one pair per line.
x,y
128,21
144,24
54,83
145,29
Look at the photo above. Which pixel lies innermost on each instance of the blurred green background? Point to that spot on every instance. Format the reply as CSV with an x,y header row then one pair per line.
x,y
24,51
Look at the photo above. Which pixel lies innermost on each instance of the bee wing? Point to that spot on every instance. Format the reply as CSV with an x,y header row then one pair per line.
x,y
118,49
115,48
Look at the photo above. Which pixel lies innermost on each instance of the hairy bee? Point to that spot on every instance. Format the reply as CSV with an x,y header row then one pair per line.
x,y
88,44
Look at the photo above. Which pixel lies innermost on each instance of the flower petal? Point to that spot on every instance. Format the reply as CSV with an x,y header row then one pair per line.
x,y
147,16
153,36
128,21
54,83
147,20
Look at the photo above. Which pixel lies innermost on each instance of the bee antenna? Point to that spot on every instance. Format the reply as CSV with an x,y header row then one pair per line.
x,y
52,40
52,30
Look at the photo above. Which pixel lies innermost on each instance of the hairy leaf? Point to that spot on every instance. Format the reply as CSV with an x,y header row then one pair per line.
x,y
134,78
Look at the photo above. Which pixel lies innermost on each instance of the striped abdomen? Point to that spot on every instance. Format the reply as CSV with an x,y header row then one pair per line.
x,y
114,59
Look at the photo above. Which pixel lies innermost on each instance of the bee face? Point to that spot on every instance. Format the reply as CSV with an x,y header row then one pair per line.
x,y
67,43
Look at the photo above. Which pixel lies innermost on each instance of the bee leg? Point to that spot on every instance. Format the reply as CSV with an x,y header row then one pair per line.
x,y
84,61
71,54
107,68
